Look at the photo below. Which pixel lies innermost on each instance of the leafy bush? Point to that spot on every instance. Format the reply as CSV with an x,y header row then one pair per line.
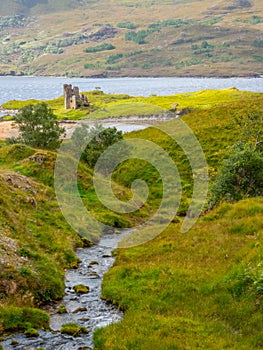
x,y
38,126
176,23
113,58
101,47
258,43
127,25
138,37
212,21
248,281
240,176
98,139
92,65
258,58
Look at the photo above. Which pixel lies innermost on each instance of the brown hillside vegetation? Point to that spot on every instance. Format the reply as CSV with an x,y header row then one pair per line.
x,y
132,38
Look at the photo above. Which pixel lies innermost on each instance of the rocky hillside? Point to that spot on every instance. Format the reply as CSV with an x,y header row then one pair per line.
x,y
131,38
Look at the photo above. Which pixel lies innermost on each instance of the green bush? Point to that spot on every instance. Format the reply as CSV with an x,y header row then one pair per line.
x,y
138,37
101,47
98,139
113,58
240,176
127,25
248,281
38,126
258,43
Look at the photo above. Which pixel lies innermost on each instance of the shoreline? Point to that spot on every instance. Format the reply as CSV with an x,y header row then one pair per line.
x,y
8,129
197,76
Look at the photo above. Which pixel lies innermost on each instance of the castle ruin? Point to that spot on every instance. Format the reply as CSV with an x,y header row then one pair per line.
x,y
73,99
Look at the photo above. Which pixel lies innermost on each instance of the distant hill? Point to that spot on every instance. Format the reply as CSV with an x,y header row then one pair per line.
x,y
27,7
131,38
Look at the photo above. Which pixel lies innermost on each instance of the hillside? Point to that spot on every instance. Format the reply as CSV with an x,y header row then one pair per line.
x,y
36,242
92,39
197,290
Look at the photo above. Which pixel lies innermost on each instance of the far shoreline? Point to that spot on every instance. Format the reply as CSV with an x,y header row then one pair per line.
x,y
98,77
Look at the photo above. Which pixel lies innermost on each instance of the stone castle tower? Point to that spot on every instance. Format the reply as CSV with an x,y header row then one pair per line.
x,y
72,98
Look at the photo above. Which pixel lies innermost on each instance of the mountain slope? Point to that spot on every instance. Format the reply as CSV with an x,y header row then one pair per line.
x,y
27,7
131,38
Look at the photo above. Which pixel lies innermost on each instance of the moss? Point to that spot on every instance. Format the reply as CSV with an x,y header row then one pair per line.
x,y
15,319
31,332
73,329
62,309
81,289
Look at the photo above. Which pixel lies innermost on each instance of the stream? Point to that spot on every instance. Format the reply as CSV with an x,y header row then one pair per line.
x,y
87,309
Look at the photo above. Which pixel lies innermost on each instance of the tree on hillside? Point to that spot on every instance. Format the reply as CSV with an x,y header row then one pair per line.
x,y
95,141
241,175
250,126
38,127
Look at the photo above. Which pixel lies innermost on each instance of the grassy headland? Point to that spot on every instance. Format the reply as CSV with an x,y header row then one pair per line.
x,y
104,105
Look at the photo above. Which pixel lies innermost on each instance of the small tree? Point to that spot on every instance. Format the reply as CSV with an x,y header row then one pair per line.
x,y
250,127
240,176
38,126
97,140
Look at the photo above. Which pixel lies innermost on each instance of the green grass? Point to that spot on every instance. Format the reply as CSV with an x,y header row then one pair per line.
x,y
37,244
104,105
193,290
21,319
201,289
73,329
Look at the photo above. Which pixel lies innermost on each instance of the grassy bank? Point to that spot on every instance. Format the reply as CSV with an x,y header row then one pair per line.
x,y
199,290
37,244
104,105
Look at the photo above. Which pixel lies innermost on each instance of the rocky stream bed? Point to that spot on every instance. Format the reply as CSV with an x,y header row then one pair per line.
x,y
84,309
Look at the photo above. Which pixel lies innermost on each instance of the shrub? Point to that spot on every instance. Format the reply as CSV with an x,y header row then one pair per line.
x,y
258,43
113,58
127,25
98,139
38,126
139,37
240,176
101,47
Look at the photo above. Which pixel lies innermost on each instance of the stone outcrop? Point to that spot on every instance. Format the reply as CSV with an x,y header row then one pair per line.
x,y
73,99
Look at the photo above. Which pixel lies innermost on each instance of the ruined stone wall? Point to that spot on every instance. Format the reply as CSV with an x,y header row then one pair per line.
x,y
72,98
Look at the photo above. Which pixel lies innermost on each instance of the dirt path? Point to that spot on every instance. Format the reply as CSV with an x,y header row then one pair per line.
x,y
7,130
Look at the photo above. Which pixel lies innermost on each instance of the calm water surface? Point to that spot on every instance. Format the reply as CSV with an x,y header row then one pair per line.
x,y
44,88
